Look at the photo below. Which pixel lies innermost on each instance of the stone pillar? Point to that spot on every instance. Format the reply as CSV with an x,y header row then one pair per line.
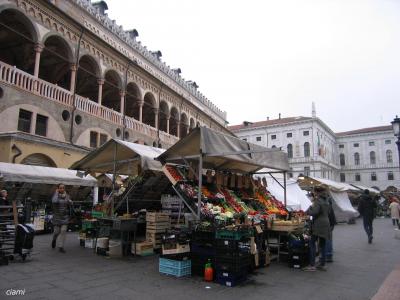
x,y
73,68
122,94
156,110
100,93
178,129
38,50
141,110
168,124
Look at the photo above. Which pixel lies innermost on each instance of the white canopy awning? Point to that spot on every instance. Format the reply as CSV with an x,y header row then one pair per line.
x,y
126,156
43,175
334,185
362,188
224,152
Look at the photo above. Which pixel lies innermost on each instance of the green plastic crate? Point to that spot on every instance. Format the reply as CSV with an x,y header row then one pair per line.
x,y
97,214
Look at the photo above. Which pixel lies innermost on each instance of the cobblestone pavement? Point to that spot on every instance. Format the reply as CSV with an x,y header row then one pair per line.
x,y
358,272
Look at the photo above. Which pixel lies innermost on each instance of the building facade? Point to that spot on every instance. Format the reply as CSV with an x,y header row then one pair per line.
x,y
366,156
71,78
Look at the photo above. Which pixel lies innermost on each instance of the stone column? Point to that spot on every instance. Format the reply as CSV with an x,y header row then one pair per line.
x,y
141,110
38,50
156,110
122,94
178,129
100,93
168,117
73,68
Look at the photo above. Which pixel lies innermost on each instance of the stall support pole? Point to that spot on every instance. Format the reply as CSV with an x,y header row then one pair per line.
x,y
284,187
200,185
95,195
114,180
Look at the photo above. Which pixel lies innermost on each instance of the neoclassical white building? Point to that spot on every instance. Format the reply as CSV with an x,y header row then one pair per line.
x,y
365,156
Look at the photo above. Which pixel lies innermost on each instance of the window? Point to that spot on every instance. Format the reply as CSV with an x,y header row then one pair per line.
x,y
389,156
41,125
371,143
290,151
358,177
258,139
357,158
341,146
372,157
342,159
103,138
244,140
388,142
289,135
306,133
93,139
306,149
390,176
307,171
24,120
273,146
290,175
342,177
373,176
356,145
273,137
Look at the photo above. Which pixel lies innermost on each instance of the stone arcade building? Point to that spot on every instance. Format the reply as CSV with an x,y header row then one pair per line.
x,y
71,78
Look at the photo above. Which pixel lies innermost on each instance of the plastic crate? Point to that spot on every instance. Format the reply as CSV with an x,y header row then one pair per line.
x,y
97,214
236,234
200,249
88,224
230,280
175,267
234,265
224,245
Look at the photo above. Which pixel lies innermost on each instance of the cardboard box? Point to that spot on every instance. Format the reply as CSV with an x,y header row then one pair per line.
x,y
253,246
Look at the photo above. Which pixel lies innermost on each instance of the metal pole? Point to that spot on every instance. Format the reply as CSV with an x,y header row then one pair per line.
x,y
284,187
113,182
200,185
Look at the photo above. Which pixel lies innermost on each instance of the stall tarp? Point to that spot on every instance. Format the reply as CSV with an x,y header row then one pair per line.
x,y
222,152
342,207
334,185
296,198
44,175
362,188
127,156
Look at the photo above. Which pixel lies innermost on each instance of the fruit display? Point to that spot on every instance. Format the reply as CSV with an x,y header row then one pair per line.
x,y
173,172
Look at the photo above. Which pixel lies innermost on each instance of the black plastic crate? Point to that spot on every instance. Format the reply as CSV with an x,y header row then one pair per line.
x,y
203,236
233,265
179,256
224,245
201,249
230,281
233,255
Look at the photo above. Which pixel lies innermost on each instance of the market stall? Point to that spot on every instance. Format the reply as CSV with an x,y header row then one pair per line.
x,y
342,207
33,187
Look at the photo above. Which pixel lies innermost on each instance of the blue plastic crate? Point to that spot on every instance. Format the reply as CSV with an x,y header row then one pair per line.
x,y
229,279
176,268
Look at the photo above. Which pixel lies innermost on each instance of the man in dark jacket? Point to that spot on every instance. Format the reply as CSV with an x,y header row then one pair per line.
x,y
332,223
366,208
320,228
61,205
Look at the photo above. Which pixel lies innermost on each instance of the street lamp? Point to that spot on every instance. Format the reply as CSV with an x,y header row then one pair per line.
x,y
396,130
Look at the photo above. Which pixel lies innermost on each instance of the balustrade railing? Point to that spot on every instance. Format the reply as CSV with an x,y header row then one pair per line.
x,y
27,82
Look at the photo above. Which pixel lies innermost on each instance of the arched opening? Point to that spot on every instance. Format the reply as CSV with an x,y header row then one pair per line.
x,y
88,73
198,124
192,124
39,159
17,40
173,121
356,158
148,115
306,149
132,100
290,150
55,62
111,91
184,125
164,115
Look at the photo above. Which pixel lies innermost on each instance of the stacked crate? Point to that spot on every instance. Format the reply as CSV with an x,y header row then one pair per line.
x,y
202,249
233,257
156,225
173,205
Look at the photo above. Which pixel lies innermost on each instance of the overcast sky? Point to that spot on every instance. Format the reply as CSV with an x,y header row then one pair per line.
x,y
258,58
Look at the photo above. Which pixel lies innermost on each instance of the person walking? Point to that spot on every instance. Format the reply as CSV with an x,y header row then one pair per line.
x,y
320,229
395,212
332,223
61,204
366,208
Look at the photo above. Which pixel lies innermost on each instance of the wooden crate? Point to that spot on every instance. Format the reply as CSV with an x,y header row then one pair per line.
x,y
144,248
288,228
157,217
184,248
